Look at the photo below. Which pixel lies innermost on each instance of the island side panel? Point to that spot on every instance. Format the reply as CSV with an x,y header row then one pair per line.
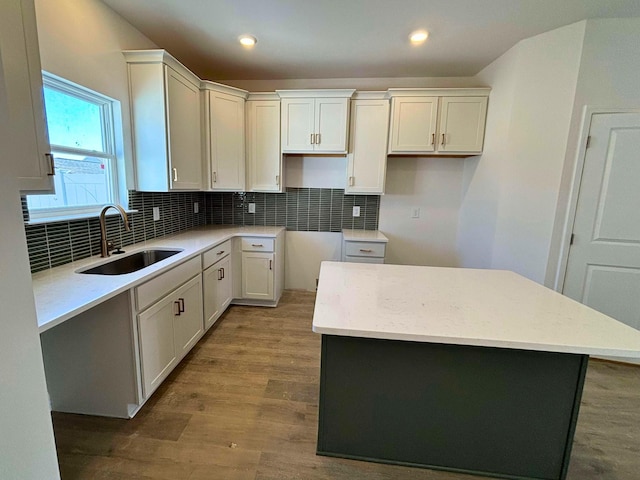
x,y
492,411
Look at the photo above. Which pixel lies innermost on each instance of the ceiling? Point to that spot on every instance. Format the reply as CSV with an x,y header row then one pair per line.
x,y
350,38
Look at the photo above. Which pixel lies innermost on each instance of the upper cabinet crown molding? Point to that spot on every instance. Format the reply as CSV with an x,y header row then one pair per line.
x,y
219,87
371,95
160,56
265,96
439,92
311,93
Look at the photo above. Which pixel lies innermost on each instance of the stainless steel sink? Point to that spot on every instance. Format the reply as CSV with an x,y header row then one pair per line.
x,y
131,263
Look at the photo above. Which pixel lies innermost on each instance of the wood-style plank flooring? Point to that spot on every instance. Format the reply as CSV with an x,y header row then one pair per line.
x,y
243,406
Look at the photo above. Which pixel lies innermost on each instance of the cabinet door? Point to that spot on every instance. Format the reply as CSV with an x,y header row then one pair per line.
x,y
413,124
264,160
225,287
462,122
183,112
226,141
20,72
331,122
217,290
157,346
298,124
257,275
367,157
211,279
188,324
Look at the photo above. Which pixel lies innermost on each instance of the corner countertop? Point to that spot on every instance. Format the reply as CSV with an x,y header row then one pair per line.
x,y
352,235
60,293
489,308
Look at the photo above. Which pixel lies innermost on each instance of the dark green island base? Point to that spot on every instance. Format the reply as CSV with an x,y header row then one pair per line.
x,y
497,412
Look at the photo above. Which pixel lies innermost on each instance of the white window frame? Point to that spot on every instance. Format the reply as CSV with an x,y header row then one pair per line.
x,y
107,106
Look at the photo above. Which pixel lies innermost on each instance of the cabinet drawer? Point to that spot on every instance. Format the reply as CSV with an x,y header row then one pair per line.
x,y
216,253
364,249
149,292
257,244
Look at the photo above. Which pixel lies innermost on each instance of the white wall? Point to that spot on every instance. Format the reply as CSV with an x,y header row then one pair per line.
x,y
82,41
609,77
315,171
304,251
513,188
27,449
434,185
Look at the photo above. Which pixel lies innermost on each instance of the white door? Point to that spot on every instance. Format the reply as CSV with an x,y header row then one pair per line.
x,y
331,115
603,270
367,157
413,124
257,275
226,141
462,122
183,104
188,323
298,124
264,160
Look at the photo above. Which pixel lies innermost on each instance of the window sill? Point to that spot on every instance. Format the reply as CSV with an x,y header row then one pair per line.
x,y
70,218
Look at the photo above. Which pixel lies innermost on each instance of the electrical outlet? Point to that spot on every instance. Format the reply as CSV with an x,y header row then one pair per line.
x,y
156,214
252,208
356,211
196,207
415,212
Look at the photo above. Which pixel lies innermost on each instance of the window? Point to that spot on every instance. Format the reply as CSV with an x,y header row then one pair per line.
x,y
81,133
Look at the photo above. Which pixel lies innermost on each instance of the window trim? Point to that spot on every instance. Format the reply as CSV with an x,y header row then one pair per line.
x,y
110,139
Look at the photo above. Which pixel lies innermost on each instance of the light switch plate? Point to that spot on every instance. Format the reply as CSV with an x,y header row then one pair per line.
x,y
156,214
196,207
415,212
252,208
356,211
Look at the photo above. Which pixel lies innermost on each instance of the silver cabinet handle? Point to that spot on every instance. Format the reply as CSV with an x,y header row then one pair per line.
x,y
257,245
351,181
175,174
433,139
278,180
215,177
176,311
219,274
366,250
270,264
220,252
312,138
317,139
52,165
443,142
181,306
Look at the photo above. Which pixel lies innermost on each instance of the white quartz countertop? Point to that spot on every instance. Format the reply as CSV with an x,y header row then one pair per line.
x,y
490,308
352,235
61,293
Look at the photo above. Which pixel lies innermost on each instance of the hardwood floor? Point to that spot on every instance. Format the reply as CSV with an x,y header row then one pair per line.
x,y
243,405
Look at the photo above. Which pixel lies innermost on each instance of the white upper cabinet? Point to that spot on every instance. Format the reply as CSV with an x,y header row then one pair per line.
x,y
437,121
367,157
314,121
20,72
462,122
165,111
264,159
224,136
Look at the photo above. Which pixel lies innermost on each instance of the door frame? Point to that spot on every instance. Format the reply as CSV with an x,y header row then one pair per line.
x,y
585,127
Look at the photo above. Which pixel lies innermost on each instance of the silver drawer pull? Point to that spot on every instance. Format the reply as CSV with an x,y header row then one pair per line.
x,y
220,252
257,245
366,250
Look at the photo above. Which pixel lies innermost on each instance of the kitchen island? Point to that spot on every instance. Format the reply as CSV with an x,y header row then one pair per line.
x,y
477,371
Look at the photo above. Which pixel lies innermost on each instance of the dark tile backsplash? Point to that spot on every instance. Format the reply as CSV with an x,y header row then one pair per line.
x,y
299,209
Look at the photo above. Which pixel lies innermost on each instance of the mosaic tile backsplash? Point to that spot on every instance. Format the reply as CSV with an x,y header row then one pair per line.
x,y
299,209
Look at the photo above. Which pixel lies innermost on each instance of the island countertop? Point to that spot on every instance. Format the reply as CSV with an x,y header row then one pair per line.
x,y
61,293
489,308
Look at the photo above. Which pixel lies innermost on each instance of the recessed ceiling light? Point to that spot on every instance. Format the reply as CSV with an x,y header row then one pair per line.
x,y
418,36
248,40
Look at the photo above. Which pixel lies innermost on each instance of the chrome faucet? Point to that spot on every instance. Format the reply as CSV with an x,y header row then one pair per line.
x,y
106,245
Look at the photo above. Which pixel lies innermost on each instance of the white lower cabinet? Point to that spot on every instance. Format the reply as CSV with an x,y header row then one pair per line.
x,y
217,288
168,329
257,275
